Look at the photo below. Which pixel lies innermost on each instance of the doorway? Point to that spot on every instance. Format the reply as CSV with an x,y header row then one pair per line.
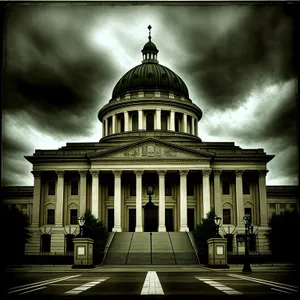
x,y
150,217
132,220
169,219
191,219
110,219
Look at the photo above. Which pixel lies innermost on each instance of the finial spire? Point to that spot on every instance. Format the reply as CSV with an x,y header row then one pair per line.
x,y
149,27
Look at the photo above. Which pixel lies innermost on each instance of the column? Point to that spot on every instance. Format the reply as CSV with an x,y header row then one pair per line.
x,y
193,126
263,198
158,119
206,193
82,207
117,201
113,124
162,206
36,198
239,197
183,201
184,118
139,221
106,127
95,193
172,120
59,198
103,128
217,193
126,121
140,112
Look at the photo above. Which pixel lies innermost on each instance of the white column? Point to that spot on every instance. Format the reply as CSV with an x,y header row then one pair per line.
x,y
36,198
183,201
184,118
206,192
113,124
59,198
263,198
117,201
162,205
82,207
141,121
126,121
106,127
217,193
139,221
172,120
158,119
239,197
193,126
95,193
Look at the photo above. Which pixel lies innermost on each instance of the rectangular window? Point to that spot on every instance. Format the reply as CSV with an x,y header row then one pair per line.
x,y
226,216
246,187
46,242
168,189
74,187
51,187
50,216
248,210
73,217
225,187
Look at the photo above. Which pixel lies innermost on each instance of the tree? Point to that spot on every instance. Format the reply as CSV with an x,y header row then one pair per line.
x,y
204,231
16,233
95,230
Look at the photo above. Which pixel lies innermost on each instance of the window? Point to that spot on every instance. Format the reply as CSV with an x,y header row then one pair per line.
x,y
226,216
164,122
110,189
225,187
190,188
50,216
132,189
46,242
74,187
69,242
248,210
150,121
73,216
135,122
168,189
246,187
51,187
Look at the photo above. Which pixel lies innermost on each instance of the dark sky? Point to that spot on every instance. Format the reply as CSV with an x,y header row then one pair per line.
x,y
62,62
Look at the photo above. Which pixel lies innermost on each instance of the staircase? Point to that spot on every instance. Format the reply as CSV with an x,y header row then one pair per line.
x,y
150,248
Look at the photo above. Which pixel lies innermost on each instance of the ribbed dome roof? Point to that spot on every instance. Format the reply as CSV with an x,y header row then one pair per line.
x,y
150,76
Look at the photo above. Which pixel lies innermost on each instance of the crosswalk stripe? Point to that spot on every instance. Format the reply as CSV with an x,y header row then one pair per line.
x,y
85,286
152,285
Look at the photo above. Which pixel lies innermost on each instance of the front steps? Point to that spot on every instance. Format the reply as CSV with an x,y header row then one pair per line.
x,y
146,248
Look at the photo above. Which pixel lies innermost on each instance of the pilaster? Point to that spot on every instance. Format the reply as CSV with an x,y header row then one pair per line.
x,y
217,193
139,221
82,206
158,119
263,198
183,200
59,198
239,197
36,198
162,205
141,119
117,201
95,193
172,120
126,121
206,192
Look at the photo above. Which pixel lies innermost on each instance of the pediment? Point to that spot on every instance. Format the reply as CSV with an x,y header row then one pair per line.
x,y
150,148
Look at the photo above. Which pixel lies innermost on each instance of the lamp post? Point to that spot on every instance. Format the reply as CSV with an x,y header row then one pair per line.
x,y
247,268
150,191
81,221
217,222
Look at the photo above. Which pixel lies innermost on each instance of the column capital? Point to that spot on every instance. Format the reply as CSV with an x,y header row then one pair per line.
x,y
117,173
217,172
94,173
138,172
206,172
239,173
158,109
60,174
183,172
36,174
262,173
161,172
82,173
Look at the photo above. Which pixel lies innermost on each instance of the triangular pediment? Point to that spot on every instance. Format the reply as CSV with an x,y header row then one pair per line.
x,y
150,148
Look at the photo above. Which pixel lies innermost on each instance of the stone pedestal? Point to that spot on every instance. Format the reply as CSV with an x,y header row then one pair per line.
x,y
83,253
217,253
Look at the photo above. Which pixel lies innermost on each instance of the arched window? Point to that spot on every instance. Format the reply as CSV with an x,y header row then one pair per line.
x,y
135,121
164,122
150,121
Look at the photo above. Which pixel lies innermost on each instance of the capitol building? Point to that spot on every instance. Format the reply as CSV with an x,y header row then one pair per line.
x,y
150,142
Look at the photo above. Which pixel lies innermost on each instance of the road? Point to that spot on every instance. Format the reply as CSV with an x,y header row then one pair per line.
x,y
149,281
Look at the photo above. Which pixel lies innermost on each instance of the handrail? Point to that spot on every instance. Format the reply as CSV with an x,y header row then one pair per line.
x,y
194,246
172,248
107,246
129,248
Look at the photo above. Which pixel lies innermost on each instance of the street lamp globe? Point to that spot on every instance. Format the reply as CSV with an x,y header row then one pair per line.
x,y
150,190
218,223
81,221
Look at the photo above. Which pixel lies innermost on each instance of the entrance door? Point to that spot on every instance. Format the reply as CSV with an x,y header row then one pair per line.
x,y
110,219
191,219
169,219
150,217
132,220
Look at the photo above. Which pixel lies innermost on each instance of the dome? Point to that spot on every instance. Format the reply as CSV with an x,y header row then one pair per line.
x,y
150,76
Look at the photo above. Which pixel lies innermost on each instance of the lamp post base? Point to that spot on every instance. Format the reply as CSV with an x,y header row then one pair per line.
x,y
247,268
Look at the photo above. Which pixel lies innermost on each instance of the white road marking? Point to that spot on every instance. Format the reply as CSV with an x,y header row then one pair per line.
x,y
42,287
280,291
85,286
38,284
219,286
152,285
